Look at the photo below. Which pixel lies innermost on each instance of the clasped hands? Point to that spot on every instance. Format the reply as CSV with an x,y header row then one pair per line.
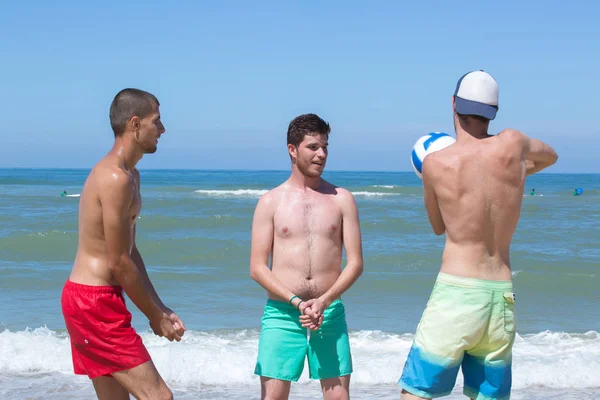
x,y
311,313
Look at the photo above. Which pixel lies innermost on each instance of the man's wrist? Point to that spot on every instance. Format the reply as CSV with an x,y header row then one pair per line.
x,y
156,313
326,300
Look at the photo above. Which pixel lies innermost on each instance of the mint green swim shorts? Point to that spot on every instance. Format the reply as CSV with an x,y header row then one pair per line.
x,y
468,324
284,344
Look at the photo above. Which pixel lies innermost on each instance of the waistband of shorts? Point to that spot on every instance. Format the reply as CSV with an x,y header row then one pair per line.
x,y
78,287
283,305
474,283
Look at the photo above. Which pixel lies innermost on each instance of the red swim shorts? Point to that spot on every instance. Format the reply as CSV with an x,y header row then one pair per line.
x,y
99,325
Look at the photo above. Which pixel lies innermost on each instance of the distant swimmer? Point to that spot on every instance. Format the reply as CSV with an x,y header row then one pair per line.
x,y
473,193
578,192
64,193
104,345
532,192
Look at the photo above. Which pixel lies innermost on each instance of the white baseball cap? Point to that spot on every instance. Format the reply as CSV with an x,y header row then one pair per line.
x,y
477,94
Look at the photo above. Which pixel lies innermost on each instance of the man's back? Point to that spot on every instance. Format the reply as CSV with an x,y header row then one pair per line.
x,y
479,187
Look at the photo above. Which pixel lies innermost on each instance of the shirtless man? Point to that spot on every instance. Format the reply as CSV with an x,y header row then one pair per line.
x,y
473,191
104,345
303,224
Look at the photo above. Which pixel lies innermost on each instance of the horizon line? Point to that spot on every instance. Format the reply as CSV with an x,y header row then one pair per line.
x,y
263,170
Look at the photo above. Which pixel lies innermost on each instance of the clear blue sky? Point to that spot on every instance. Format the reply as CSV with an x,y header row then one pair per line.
x,y
230,75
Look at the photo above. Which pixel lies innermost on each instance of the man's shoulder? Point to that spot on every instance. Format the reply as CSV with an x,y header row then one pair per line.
x,y
109,176
272,196
433,163
341,195
510,134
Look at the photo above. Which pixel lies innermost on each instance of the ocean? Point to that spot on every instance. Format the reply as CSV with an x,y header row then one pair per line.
x,y
194,236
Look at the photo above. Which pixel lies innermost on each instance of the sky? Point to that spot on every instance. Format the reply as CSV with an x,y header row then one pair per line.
x,y
231,75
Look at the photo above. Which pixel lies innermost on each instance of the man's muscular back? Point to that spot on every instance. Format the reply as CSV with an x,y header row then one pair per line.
x,y
307,237
479,186
91,261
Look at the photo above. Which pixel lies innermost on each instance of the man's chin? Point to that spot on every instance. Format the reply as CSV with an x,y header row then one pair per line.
x,y
150,150
313,174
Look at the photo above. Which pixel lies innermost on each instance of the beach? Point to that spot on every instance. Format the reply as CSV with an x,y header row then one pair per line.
x,y
194,235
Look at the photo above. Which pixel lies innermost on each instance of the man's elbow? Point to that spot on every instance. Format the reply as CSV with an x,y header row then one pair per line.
x,y
439,230
255,273
118,263
358,268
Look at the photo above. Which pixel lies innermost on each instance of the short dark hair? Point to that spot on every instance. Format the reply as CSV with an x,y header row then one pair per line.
x,y
306,124
127,104
467,118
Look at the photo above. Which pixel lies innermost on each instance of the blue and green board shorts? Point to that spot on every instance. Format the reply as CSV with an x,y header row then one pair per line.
x,y
468,323
284,344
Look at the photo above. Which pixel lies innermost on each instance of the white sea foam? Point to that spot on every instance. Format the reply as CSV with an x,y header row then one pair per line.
x,y
384,186
236,192
547,359
260,192
374,194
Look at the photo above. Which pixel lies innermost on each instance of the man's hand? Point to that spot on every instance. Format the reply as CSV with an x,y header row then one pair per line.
x,y
311,313
168,324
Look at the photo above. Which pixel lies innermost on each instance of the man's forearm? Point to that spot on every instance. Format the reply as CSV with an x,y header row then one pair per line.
x,y
534,167
265,278
132,281
137,259
346,279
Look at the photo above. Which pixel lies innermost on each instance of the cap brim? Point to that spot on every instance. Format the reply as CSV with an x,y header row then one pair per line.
x,y
468,107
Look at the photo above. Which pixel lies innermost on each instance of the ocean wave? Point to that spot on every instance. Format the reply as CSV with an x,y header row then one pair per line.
x,y
236,192
554,360
260,192
371,194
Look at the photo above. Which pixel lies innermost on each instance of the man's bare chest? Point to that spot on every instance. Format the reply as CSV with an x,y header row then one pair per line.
x,y
305,219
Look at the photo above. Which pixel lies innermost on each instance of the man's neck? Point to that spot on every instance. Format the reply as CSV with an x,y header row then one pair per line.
x,y
303,182
127,152
474,129
472,133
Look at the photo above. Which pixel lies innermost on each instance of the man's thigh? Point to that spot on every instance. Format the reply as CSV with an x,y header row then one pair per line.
x,y
274,389
143,382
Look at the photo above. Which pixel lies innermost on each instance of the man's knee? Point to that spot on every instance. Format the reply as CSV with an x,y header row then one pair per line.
x,y
274,395
163,394
336,389
337,393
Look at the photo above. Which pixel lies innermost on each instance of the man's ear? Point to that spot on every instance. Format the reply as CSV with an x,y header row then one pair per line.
x,y
293,151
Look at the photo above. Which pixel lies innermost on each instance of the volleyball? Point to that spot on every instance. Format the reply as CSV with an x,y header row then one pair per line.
x,y
428,144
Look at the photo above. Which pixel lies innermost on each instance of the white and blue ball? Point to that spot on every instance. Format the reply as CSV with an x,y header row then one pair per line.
x,y
426,145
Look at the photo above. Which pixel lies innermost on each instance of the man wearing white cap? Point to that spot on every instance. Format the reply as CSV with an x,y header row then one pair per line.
x,y
473,191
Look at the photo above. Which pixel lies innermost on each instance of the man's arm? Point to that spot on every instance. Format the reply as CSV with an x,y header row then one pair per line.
x,y
536,154
136,257
139,261
352,245
431,202
262,243
540,154
116,197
